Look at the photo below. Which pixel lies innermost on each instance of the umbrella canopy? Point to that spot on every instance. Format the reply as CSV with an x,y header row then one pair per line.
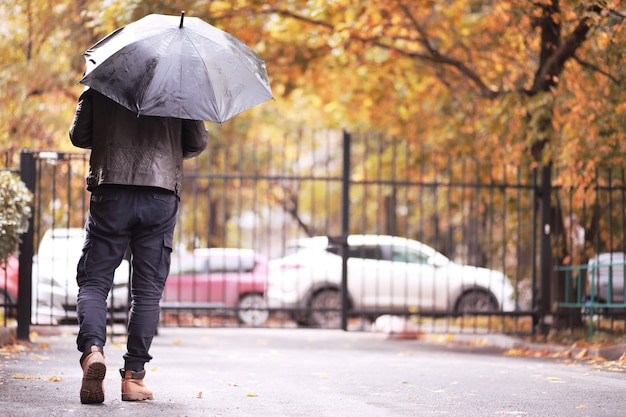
x,y
180,67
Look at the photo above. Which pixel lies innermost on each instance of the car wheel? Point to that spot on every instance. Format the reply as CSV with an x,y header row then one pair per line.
x,y
252,310
326,309
476,301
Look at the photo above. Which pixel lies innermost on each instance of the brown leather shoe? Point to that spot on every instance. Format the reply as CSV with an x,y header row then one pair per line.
x,y
133,388
94,370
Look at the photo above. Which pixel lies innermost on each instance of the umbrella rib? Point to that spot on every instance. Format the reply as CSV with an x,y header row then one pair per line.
x,y
145,91
206,69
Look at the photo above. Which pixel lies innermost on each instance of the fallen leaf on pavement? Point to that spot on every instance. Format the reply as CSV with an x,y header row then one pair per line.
x,y
516,352
581,354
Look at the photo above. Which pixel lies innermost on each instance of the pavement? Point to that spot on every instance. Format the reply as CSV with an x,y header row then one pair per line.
x,y
199,371
477,340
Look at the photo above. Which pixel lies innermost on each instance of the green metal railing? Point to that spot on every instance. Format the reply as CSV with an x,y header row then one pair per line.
x,y
580,277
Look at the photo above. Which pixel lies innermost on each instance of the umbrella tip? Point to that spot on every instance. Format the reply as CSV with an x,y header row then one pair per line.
x,y
182,16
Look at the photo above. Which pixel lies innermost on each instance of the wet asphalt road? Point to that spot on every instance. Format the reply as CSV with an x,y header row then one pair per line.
x,y
303,372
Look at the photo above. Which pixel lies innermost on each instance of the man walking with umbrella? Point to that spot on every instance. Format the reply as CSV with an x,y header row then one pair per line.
x,y
135,179
151,83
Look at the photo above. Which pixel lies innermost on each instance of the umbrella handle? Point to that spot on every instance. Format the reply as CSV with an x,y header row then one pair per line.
x,y
182,16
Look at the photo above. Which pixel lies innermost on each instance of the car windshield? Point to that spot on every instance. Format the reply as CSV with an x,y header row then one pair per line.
x,y
394,253
360,251
408,255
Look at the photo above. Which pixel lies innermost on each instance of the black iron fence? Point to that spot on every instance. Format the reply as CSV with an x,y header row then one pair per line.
x,y
294,232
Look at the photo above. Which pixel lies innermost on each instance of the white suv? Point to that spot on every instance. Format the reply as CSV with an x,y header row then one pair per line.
x,y
386,275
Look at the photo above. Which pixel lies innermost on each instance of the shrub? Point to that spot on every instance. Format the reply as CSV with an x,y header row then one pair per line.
x,y
15,210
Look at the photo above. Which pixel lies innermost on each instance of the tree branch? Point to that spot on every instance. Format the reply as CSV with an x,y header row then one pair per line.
x,y
288,13
432,55
553,56
617,13
597,69
548,74
436,57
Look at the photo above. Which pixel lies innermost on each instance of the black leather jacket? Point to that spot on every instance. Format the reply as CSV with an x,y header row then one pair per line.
x,y
131,150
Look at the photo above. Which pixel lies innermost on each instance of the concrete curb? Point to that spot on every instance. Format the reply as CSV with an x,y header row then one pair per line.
x,y
503,342
404,328
612,353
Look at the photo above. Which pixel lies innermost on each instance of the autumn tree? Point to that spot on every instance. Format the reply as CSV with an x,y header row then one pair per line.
x,y
528,83
516,75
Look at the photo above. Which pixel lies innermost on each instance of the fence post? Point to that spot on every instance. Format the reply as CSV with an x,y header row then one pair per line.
x,y
25,294
345,228
545,249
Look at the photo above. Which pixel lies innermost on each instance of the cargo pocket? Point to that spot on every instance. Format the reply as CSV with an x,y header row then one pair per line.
x,y
166,257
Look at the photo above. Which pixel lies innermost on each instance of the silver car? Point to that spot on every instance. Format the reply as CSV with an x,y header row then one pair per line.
x,y
606,273
386,275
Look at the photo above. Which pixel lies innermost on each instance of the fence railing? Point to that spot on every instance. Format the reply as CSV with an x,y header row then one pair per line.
x,y
596,289
266,195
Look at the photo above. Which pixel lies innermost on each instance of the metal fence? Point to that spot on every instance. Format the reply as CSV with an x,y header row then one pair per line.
x,y
269,196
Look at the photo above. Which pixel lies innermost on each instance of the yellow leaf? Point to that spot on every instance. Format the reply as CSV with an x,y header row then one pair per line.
x,y
25,377
251,395
515,352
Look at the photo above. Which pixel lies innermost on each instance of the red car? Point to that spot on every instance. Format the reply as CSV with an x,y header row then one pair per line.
x,y
8,285
219,279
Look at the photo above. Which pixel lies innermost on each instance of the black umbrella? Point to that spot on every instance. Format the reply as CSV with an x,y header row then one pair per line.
x,y
174,67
